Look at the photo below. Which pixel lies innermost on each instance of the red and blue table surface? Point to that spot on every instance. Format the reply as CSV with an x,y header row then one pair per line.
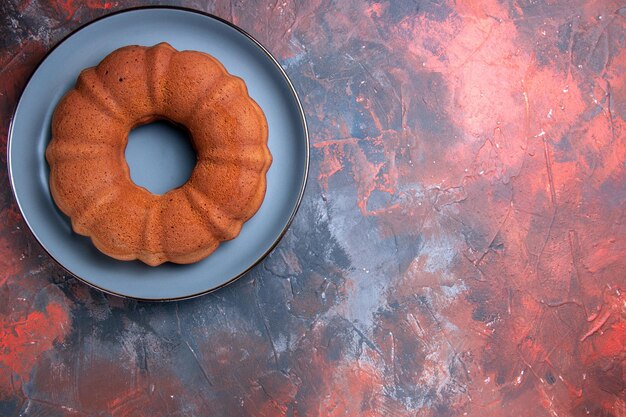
x,y
460,249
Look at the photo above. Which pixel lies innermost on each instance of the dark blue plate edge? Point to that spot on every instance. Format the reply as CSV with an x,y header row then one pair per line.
x,y
293,93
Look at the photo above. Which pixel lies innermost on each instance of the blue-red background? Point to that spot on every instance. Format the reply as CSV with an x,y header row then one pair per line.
x,y
460,250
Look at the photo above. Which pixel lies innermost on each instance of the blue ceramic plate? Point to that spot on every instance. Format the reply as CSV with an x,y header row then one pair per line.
x,y
183,29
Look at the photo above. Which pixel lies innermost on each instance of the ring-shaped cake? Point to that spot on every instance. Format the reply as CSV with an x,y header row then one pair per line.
x,y
89,177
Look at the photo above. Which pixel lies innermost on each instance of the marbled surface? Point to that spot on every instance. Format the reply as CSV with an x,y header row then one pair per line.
x,y
460,249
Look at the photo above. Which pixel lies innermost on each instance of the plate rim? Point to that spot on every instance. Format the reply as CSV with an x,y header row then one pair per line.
x,y
282,73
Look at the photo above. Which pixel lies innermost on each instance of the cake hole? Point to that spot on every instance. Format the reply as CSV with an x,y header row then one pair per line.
x,y
160,156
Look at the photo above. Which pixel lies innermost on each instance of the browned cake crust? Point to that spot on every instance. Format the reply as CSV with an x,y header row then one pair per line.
x,y
89,177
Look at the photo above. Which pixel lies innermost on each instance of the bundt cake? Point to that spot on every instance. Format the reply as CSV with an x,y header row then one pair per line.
x,y
89,177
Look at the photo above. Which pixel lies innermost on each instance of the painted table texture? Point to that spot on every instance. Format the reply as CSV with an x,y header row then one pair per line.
x,y
460,250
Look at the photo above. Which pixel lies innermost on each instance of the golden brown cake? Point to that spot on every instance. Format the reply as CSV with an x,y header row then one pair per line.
x,y
89,177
